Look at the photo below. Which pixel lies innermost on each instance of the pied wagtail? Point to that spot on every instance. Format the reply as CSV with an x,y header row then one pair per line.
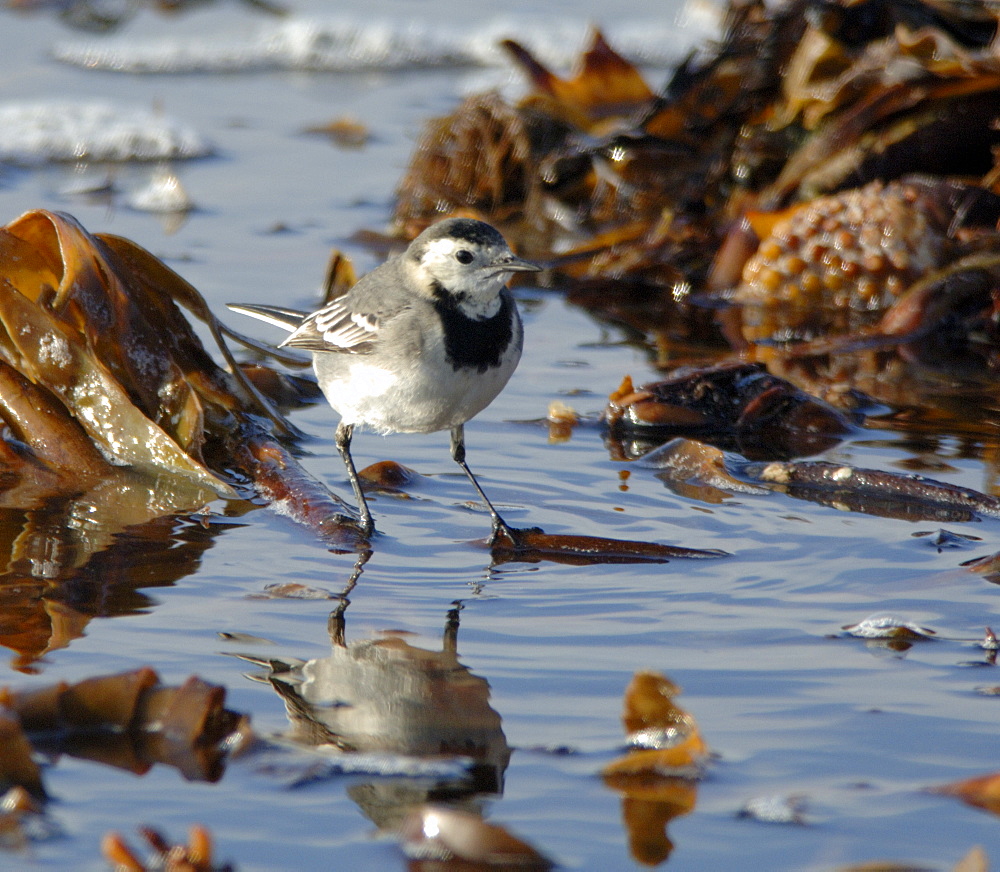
x,y
421,343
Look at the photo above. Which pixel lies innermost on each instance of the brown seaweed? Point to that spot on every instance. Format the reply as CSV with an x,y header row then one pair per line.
x,y
744,152
534,545
195,856
112,409
92,323
128,720
889,494
733,405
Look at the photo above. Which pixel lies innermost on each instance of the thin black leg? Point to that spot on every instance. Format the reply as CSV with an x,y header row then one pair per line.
x,y
335,623
343,439
458,455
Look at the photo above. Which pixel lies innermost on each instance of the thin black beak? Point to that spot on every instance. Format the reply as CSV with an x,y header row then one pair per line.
x,y
516,264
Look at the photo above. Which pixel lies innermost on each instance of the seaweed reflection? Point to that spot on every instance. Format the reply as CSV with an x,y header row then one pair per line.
x,y
657,777
129,720
58,573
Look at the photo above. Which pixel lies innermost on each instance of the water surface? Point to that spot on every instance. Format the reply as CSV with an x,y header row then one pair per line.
x,y
786,702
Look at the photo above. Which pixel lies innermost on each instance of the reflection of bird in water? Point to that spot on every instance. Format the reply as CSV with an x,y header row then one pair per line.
x,y
387,696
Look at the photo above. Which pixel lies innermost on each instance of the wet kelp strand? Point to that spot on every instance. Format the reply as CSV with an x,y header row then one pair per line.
x,y
107,380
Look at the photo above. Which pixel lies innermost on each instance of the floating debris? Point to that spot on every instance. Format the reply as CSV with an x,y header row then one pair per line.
x,y
665,738
889,494
882,626
439,833
982,792
195,856
946,539
343,132
163,194
988,690
990,642
387,476
780,809
657,778
561,419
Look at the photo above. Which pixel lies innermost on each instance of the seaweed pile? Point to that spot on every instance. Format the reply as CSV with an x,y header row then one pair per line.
x,y
112,410
818,192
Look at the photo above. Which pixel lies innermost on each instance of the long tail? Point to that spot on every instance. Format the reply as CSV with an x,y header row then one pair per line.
x,y
287,319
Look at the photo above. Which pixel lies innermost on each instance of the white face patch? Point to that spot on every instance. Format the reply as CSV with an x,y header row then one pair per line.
x,y
440,249
475,284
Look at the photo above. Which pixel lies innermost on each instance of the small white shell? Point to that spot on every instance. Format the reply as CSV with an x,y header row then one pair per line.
x,y
433,832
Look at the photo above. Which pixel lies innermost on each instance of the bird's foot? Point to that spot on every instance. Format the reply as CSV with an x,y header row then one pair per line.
x,y
505,536
364,525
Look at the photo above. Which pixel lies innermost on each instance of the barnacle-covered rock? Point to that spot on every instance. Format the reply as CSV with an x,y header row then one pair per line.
x,y
836,263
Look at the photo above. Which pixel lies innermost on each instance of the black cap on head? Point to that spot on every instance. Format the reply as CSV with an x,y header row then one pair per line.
x,y
467,229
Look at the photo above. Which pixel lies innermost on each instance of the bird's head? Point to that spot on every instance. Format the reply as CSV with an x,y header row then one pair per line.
x,y
466,260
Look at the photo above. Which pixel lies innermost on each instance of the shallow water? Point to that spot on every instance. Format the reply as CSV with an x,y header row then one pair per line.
x,y
787,704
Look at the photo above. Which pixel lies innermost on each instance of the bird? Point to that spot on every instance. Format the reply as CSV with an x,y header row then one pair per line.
x,y
421,344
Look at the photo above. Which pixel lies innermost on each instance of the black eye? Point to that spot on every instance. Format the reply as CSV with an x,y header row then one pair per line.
x,y
463,255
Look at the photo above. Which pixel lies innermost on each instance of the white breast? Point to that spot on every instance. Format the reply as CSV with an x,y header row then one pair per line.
x,y
421,399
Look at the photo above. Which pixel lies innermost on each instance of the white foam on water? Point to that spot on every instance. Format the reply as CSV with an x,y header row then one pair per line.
x,y
353,45
37,132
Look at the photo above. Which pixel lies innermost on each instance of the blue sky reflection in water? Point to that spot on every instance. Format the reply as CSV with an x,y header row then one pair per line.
x,y
788,705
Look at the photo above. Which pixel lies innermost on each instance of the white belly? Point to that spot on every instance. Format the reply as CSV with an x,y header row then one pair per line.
x,y
415,401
